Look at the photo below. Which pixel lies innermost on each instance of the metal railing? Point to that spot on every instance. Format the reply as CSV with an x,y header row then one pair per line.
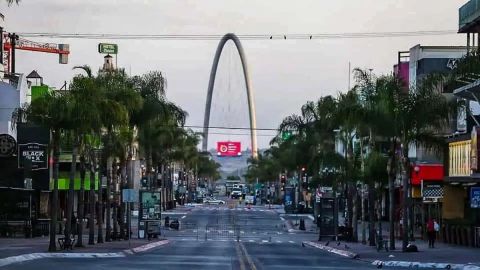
x,y
185,230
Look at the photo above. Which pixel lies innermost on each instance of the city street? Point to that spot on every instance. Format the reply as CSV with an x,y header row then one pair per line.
x,y
240,135
263,243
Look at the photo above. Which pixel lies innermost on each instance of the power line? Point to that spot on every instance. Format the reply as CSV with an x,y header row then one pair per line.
x,y
231,128
241,36
241,134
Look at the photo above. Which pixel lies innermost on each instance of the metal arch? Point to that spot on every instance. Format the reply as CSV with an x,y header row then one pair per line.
x,y
211,83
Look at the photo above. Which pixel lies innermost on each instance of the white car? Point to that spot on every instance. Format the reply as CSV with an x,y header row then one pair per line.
x,y
213,201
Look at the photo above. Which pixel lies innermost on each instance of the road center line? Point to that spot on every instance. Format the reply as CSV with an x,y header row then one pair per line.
x,y
249,259
239,256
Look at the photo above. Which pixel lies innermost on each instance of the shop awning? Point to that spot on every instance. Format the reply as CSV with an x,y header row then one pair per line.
x,y
470,91
474,178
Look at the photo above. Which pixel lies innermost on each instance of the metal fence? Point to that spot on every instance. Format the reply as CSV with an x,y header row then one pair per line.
x,y
185,230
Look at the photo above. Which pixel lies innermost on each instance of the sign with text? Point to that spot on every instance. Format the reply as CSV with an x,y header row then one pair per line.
x,y
229,149
475,197
36,153
108,48
474,149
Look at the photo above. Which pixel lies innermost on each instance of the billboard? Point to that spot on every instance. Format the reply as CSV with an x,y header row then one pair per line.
x,y
229,149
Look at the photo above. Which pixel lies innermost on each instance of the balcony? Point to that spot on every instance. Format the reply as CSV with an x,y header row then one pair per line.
x,y
469,17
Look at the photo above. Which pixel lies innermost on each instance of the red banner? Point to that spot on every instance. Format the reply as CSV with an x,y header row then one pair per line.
x,y
229,149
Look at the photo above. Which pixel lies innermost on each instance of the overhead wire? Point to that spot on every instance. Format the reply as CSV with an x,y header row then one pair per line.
x,y
200,37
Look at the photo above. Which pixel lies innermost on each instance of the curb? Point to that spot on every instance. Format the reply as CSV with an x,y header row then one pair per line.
x,y
35,256
344,253
406,264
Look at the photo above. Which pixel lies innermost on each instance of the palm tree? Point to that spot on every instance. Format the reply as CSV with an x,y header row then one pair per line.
x,y
379,103
11,2
121,100
375,175
414,117
84,93
423,116
52,111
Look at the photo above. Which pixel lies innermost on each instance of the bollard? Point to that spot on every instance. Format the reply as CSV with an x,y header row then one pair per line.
x,y
302,224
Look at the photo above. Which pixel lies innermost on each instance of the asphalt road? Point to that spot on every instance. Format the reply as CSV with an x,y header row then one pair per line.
x,y
214,237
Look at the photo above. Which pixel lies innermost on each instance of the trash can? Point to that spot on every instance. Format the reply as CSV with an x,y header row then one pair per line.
x,y
175,224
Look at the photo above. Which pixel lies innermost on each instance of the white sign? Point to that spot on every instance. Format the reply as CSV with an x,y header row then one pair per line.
x,y
129,195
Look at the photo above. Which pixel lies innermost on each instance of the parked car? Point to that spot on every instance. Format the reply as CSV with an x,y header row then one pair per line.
x,y
213,201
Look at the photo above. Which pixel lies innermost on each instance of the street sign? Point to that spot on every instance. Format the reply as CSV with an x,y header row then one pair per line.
x,y
475,197
108,48
129,195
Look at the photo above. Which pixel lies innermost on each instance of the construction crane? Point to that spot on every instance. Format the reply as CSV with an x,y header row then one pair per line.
x,y
11,42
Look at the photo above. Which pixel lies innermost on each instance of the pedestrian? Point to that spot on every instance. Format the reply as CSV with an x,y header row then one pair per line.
x,y
431,233
436,227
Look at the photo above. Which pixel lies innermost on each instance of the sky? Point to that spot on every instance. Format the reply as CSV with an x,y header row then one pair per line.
x,y
285,73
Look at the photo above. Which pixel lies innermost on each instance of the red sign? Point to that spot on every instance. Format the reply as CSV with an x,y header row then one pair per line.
x,y
427,172
229,149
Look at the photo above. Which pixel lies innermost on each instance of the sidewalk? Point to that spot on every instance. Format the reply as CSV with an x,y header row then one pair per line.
x,y
18,246
426,257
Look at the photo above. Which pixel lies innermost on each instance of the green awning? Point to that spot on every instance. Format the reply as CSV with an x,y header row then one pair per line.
x,y
63,183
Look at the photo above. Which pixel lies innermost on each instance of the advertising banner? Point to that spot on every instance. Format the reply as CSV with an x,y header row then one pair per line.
x,y
229,149
475,197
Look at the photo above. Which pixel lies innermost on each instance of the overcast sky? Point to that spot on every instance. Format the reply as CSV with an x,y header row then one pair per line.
x,y
285,73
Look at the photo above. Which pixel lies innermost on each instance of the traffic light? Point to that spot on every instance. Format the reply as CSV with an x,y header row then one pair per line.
x,y
283,181
144,182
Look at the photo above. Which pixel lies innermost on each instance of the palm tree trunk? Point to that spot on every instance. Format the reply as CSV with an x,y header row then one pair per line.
x,y
100,212
91,219
379,216
54,205
81,201
108,232
129,172
71,193
124,183
364,229
371,215
391,193
355,213
115,202
406,201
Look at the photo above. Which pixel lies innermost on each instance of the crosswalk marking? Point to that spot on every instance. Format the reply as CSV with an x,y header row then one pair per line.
x,y
258,241
231,209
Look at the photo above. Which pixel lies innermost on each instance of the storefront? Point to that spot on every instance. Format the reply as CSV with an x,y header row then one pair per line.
x,y
427,193
461,211
24,189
